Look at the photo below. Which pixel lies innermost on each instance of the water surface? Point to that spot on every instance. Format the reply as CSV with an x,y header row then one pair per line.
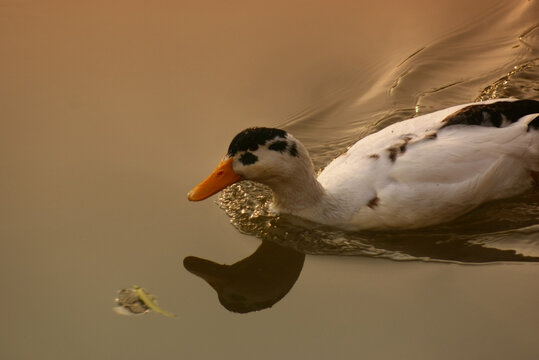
x,y
111,112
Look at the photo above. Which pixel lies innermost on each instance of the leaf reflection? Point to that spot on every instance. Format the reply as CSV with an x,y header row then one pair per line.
x,y
254,283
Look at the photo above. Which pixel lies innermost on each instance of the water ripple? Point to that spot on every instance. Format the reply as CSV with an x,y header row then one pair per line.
x,y
474,62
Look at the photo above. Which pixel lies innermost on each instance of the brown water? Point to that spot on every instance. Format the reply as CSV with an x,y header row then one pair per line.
x,y
111,111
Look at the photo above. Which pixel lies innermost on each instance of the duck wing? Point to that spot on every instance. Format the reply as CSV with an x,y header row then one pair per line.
x,y
435,167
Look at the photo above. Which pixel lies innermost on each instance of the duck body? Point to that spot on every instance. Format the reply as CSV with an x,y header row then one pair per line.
x,y
419,172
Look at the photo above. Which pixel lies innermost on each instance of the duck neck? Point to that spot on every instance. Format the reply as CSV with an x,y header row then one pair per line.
x,y
297,194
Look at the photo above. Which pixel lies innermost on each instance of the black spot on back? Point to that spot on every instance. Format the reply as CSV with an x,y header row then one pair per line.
x,y
392,153
250,139
534,124
373,202
398,149
279,146
293,150
494,114
402,148
248,158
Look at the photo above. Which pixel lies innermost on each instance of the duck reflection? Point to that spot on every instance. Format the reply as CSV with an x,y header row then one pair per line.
x,y
254,283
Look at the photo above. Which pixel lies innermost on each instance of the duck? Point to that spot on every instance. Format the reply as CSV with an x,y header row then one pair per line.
x,y
419,172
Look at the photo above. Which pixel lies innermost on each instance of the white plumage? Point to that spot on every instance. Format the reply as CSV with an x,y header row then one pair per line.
x,y
415,173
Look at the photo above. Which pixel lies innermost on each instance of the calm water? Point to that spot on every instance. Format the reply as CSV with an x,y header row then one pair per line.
x,y
110,113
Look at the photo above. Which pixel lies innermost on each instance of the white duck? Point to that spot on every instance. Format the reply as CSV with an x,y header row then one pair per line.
x,y
415,173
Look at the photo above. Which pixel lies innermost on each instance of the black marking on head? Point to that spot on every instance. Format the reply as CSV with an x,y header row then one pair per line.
x,y
293,150
497,114
250,139
374,156
373,202
533,124
248,158
279,146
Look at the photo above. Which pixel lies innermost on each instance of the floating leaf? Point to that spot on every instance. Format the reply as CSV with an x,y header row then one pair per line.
x,y
138,301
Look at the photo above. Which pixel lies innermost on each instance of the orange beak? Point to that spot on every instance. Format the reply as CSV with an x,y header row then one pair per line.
x,y
219,179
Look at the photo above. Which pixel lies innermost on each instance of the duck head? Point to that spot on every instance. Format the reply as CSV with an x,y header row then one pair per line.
x,y
266,155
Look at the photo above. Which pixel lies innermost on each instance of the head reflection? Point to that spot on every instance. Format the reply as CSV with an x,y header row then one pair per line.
x,y
254,283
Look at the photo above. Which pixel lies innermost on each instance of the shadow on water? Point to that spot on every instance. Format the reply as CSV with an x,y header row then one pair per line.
x,y
502,231
254,283
265,277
